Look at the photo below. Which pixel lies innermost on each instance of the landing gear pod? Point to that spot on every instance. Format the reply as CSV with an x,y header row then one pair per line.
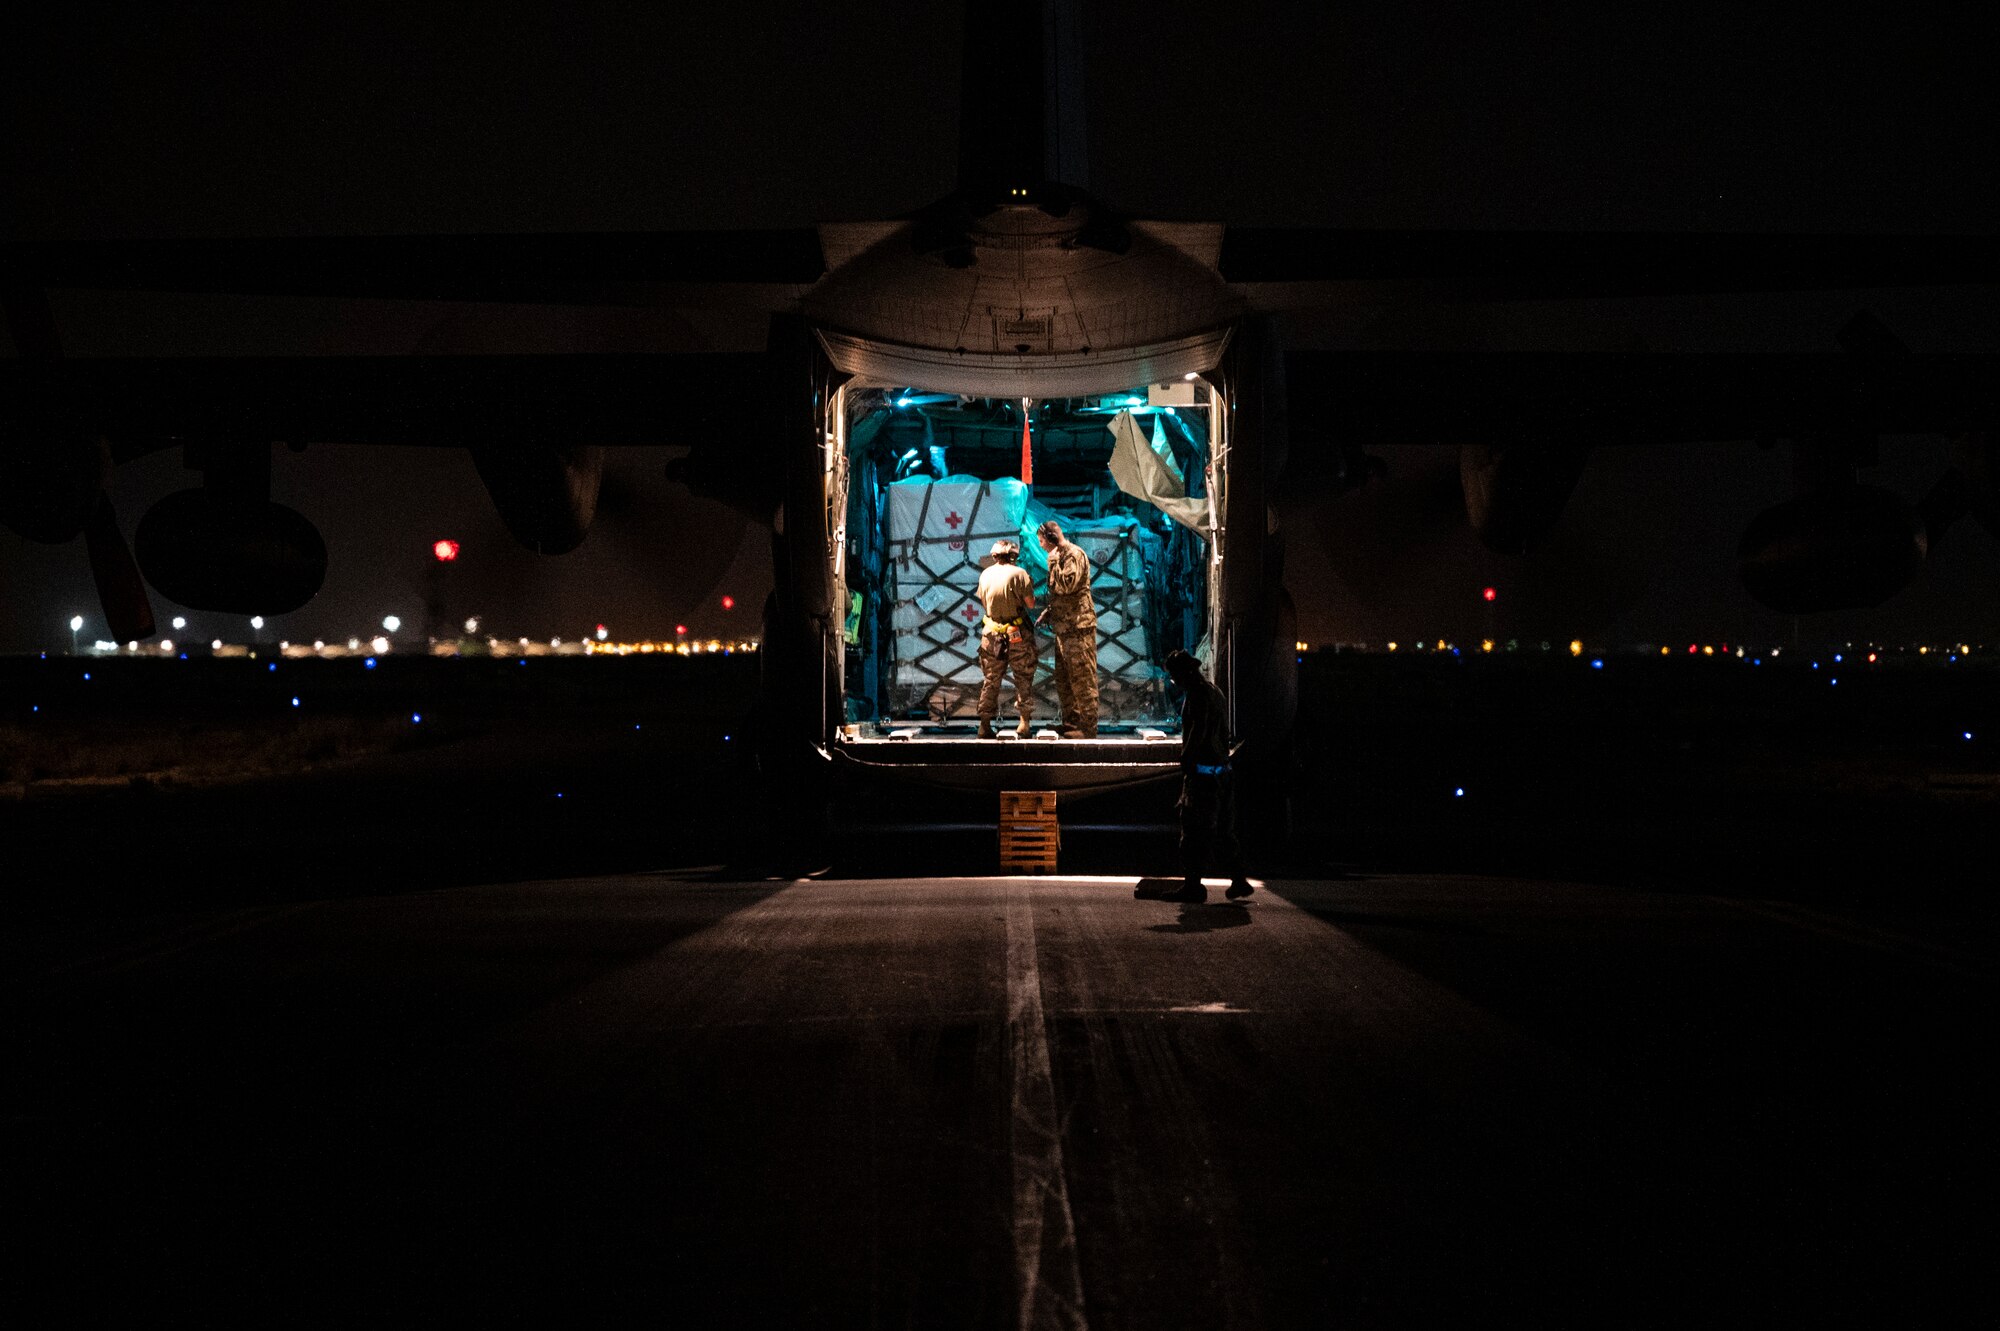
x,y
546,493
241,556
49,484
1837,549
1515,493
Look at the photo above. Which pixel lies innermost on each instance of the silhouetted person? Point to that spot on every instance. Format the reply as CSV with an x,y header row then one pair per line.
x,y
1208,788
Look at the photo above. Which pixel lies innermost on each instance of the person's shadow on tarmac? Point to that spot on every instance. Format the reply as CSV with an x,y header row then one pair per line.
x,y
1203,918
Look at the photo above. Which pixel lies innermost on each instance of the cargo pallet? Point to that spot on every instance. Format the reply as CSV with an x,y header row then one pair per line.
x,y
1029,835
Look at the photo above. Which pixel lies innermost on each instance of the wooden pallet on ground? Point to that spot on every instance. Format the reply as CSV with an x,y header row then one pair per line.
x,y
1029,834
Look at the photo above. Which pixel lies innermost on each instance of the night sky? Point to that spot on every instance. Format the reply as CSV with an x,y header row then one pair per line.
x,y
280,119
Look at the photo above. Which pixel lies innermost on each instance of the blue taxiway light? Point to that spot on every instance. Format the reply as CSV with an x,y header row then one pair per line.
x,y
1833,681
1838,658
1458,791
416,718
1597,663
369,664
184,656
86,674
1968,734
272,666
295,702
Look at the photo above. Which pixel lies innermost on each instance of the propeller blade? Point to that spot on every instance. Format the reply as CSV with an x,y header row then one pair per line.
x,y
120,590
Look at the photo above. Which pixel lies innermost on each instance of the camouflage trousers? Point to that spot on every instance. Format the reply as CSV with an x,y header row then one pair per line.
x,y
999,652
1076,676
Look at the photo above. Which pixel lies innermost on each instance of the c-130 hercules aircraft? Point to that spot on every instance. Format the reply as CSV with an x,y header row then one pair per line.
x,y
1016,351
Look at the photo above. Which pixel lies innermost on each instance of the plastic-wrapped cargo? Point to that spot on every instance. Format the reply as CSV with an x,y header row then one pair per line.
x,y
938,533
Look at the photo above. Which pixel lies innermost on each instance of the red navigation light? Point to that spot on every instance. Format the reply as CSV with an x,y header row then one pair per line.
x,y
446,551
1691,649
681,629
1489,595
728,603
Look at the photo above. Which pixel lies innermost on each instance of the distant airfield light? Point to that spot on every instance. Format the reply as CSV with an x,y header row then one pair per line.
x,y
1458,792
1486,644
295,702
472,624
728,603
681,630
1392,646
132,646
1965,649
380,645
1489,594
319,644
1576,647
256,621
1837,658
75,623
1968,734
368,664
271,667
180,621
1597,663
602,633
215,646
445,551
354,644
1708,651
1923,651
1871,658
416,718
167,645
1692,649
391,623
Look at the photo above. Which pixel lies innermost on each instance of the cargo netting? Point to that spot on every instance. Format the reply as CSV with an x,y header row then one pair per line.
x,y
939,531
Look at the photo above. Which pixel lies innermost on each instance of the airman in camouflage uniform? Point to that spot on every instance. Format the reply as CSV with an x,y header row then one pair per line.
x,y
1073,617
1006,639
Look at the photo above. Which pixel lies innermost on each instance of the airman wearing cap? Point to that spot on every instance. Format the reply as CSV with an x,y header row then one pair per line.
x,y
1006,640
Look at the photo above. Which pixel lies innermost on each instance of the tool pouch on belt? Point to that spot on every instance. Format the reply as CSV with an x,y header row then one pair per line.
x,y
1011,629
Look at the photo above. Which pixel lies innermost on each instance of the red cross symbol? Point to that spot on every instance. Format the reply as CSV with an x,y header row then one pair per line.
x,y
952,520
971,612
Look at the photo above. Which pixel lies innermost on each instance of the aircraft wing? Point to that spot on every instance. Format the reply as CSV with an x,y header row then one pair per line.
x,y
1520,265
1372,397
595,269
141,403
1361,346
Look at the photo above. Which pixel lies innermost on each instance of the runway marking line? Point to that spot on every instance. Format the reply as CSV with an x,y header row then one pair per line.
x,y
1047,1280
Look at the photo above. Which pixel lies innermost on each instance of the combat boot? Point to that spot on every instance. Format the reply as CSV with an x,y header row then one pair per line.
x,y
986,729
1025,729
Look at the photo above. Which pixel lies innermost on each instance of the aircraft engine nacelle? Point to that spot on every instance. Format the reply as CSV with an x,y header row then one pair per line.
x,y
1514,493
1838,549
546,493
50,483
238,555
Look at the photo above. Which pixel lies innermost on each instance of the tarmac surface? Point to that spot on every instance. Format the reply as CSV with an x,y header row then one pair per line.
x,y
1023,1102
